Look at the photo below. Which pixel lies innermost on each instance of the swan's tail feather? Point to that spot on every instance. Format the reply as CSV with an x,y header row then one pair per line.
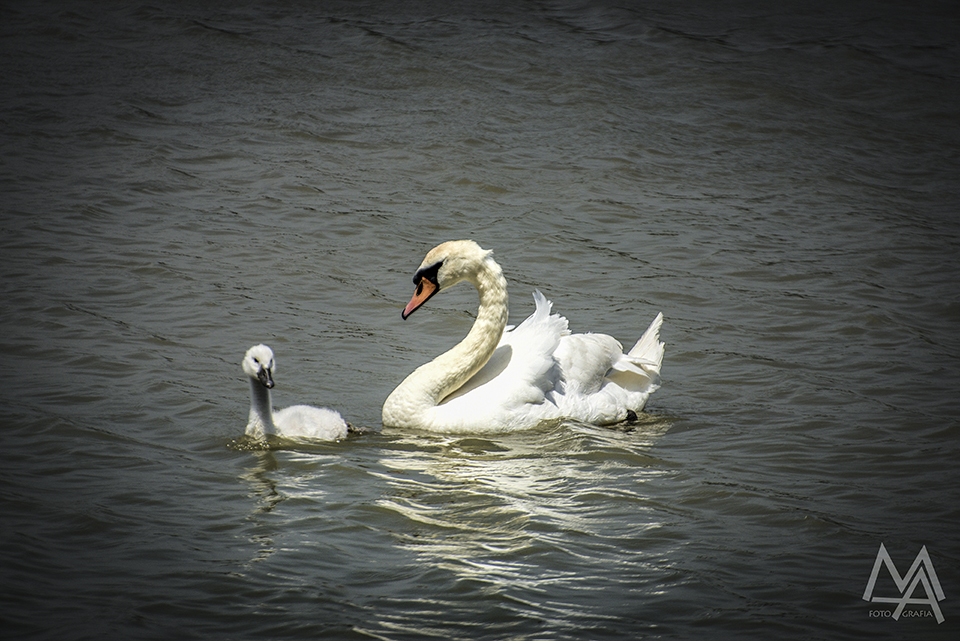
x,y
648,352
638,371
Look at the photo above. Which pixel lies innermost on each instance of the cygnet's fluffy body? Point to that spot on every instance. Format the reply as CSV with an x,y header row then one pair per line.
x,y
296,421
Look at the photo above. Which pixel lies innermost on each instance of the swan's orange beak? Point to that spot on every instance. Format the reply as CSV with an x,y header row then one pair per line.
x,y
425,289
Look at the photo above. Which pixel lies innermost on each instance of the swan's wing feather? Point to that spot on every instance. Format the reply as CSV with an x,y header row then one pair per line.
x,y
599,382
534,343
585,360
521,371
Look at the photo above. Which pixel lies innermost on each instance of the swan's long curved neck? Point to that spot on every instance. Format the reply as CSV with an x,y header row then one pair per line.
x,y
260,422
430,383
467,357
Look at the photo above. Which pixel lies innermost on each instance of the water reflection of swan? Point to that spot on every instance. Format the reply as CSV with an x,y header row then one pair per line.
x,y
514,512
500,381
296,421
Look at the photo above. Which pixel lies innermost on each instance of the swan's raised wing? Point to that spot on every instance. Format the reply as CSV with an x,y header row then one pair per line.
x,y
584,361
599,383
522,370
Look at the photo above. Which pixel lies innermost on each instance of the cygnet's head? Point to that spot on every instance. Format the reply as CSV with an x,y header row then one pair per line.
x,y
259,364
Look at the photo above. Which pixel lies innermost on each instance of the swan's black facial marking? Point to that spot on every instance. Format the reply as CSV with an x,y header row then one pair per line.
x,y
430,273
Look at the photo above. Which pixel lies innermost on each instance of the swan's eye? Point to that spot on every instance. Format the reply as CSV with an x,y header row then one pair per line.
x,y
430,273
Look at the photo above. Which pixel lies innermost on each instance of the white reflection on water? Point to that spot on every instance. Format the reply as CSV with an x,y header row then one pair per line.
x,y
553,525
524,511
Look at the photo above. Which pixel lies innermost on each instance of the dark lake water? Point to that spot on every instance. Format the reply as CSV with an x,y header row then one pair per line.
x,y
781,180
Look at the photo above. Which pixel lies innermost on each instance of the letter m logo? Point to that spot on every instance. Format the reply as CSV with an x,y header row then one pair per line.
x,y
921,572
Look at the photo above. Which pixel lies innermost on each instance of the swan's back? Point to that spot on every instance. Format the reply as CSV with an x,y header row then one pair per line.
x,y
603,385
584,361
541,372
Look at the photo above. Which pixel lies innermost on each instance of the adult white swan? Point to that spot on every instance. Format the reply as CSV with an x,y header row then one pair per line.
x,y
496,380
296,421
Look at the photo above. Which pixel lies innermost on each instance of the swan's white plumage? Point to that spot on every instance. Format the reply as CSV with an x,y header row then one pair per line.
x,y
497,380
296,421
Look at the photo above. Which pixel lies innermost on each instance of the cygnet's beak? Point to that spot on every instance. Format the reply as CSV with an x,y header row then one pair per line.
x,y
265,378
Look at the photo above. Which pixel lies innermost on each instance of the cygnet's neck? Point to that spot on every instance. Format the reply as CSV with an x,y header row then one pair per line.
x,y
260,422
430,383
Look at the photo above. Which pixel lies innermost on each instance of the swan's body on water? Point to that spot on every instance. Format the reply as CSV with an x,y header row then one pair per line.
x,y
500,379
296,421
